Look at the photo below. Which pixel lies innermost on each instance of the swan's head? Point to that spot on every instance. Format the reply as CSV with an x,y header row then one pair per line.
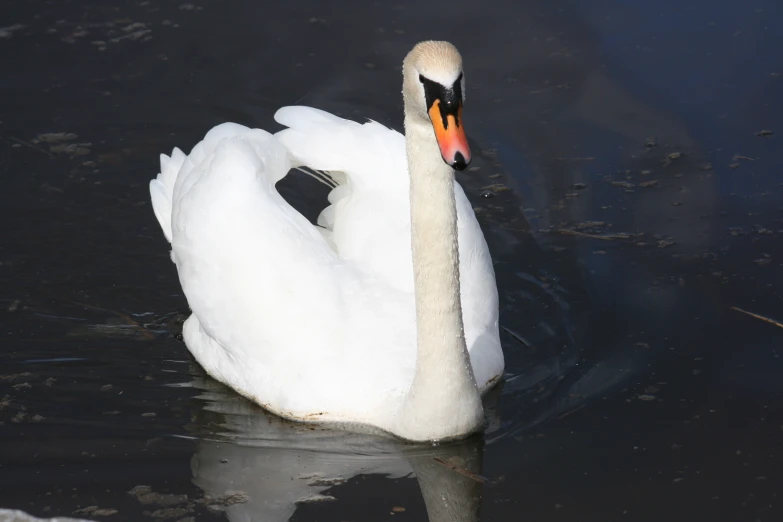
x,y
434,89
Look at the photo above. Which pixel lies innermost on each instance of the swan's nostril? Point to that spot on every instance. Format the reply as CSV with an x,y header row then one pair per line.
x,y
459,161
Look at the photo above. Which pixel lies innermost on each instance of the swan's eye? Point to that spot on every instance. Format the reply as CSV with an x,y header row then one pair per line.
x,y
450,97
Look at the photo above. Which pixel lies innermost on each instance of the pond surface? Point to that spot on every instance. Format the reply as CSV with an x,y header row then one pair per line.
x,y
629,186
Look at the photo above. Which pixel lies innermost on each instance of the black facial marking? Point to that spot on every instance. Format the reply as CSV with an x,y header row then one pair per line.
x,y
450,98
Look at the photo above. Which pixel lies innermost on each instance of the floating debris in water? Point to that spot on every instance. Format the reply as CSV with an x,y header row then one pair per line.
x,y
607,237
54,137
95,511
496,187
764,133
589,224
319,480
16,376
77,33
169,513
757,316
72,149
8,32
461,470
135,31
137,491
312,499
229,499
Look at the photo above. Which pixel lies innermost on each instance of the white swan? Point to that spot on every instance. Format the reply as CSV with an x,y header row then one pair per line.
x,y
377,316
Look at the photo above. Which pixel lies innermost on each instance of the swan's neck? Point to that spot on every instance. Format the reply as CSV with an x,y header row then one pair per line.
x,y
443,401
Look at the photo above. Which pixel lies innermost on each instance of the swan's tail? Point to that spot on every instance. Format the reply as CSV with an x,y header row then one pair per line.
x,y
162,188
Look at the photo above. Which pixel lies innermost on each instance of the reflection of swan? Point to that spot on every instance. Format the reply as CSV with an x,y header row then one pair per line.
x,y
323,324
276,464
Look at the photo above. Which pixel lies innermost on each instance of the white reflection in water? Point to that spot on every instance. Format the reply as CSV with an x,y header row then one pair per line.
x,y
277,464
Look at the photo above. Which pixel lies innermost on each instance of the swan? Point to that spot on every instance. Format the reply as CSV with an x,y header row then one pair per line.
x,y
384,315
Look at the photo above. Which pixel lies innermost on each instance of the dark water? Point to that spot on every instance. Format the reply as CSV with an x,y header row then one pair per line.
x,y
633,390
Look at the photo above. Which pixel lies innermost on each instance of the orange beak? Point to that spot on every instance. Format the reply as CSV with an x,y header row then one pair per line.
x,y
450,135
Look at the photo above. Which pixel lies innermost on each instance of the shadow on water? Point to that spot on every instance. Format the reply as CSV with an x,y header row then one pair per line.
x,y
626,177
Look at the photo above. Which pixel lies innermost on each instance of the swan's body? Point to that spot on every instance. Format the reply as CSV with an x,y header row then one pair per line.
x,y
321,324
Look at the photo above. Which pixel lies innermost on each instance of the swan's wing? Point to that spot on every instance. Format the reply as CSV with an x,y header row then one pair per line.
x,y
369,214
369,217
235,238
277,315
479,295
263,284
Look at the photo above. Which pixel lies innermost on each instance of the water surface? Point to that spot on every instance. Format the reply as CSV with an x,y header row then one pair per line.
x,y
628,186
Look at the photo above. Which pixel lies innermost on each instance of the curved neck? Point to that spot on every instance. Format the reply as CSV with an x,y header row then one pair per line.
x,y
443,401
